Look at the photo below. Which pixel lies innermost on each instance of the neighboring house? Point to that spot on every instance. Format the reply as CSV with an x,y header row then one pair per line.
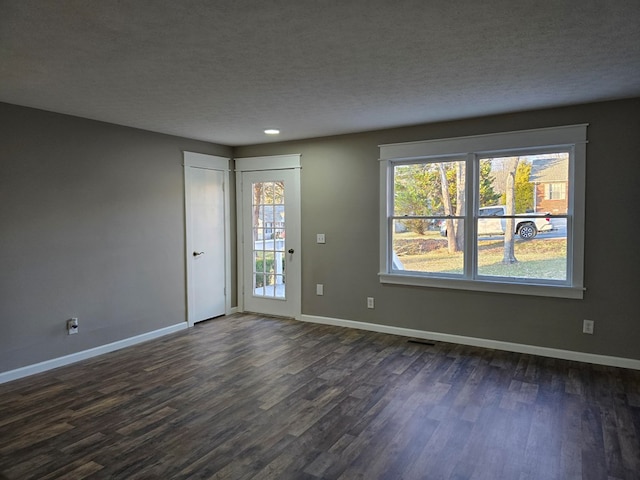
x,y
550,177
269,229
270,222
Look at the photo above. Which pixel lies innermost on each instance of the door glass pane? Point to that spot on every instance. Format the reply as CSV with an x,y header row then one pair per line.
x,y
269,240
278,193
258,234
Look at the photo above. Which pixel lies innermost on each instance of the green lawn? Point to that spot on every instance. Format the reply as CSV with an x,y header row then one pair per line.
x,y
539,258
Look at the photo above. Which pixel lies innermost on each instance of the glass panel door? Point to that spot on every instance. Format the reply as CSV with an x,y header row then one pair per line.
x,y
270,259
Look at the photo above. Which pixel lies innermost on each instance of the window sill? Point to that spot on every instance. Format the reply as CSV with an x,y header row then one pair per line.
x,y
558,291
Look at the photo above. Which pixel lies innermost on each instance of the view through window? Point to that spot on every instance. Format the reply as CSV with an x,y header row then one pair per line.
x,y
500,218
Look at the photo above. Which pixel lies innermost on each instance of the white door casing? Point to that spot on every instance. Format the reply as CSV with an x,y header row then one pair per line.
x,y
207,253
269,256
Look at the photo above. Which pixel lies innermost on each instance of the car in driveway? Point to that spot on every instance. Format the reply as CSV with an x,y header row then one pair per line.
x,y
490,223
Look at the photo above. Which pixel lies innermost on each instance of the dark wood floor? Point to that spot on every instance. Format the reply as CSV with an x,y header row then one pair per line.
x,y
248,397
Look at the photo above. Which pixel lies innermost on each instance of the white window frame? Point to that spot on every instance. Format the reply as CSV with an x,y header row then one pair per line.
x,y
571,138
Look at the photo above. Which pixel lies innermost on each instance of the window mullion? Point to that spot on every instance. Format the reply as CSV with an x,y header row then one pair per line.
x,y
471,193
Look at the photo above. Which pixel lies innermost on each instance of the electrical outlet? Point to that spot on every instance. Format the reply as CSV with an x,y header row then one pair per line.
x,y
320,238
587,326
72,326
319,289
370,303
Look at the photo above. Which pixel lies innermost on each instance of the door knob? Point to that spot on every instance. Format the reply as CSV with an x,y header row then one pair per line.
x,y
291,250
197,254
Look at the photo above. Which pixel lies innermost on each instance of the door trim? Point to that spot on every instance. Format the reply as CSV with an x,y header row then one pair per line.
x,y
208,162
253,164
274,162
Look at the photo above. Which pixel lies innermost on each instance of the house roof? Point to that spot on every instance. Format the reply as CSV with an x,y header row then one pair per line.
x,y
225,71
544,169
549,170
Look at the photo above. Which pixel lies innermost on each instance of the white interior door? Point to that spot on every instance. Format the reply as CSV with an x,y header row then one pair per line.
x,y
206,254
270,223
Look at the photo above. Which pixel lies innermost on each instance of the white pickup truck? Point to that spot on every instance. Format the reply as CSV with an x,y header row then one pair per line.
x,y
490,223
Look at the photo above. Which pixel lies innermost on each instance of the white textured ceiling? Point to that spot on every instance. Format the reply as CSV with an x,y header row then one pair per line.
x,y
223,71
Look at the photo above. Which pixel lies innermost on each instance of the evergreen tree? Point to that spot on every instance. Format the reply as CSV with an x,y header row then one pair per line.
x,y
488,196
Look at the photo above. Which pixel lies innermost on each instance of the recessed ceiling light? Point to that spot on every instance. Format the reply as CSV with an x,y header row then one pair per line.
x,y
272,131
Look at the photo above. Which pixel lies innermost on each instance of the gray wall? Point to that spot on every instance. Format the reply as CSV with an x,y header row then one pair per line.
x,y
340,198
91,226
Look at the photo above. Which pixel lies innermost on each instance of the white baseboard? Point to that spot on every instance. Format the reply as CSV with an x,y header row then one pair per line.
x,y
83,355
480,342
373,327
232,310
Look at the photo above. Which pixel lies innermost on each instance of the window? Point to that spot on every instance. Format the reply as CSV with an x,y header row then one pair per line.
x,y
473,212
555,191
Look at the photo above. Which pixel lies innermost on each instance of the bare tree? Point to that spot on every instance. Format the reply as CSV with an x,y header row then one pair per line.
x,y
511,166
257,200
448,209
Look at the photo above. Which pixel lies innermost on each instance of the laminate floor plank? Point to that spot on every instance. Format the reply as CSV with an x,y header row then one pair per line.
x,y
253,397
